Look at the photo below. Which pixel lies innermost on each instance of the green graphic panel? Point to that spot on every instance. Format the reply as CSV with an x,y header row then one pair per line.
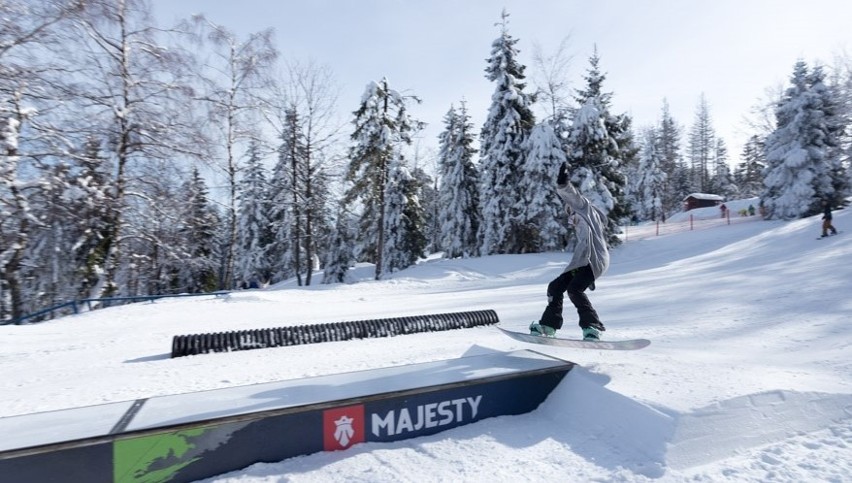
x,y
155,458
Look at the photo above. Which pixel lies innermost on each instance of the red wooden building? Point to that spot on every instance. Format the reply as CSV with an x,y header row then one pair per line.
x,y
701,200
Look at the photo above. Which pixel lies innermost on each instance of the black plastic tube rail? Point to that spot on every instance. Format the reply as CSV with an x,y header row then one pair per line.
x,y
187,345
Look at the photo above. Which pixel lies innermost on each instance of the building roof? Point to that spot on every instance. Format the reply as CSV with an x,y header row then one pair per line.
x,y
704,196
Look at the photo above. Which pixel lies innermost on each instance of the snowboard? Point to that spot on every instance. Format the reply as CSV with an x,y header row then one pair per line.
x,y
831,235
618,345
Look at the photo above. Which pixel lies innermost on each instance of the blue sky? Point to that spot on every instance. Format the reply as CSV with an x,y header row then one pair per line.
x,y
730,50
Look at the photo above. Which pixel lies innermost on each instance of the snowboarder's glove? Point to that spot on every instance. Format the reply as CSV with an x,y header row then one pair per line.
x,y
562,178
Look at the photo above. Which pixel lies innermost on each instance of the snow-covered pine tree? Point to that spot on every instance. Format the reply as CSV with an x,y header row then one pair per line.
x,y
842,86
340,253
253,234
598,142
591,147
749,173
677,185
302,112
428,195
49,274
651,180
702,143
801,165
382,125
197,271
458,191
632,191
543,212
722,181
835,123
614,174
509,122
286,203
405,237
49,271
279,252
90,211
154,224
318,216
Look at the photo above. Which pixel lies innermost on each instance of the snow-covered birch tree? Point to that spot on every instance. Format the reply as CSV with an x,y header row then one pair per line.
x,y
130,87
234,79
29,31
301,110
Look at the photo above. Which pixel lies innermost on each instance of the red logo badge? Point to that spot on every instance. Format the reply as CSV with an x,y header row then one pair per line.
x,y
342,427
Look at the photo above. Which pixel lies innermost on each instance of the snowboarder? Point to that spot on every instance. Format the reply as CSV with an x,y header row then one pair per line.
x,y
589,262
826,219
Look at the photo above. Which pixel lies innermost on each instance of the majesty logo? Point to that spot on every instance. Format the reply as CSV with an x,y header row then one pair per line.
x,y
342,427
442,413
344,432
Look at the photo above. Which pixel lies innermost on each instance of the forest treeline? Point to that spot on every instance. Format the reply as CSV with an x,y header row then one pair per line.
x,y
112,128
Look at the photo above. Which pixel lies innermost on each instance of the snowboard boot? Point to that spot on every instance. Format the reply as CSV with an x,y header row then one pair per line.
x,y
542,330
591,333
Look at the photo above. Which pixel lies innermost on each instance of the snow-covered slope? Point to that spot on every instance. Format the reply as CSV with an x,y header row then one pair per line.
x,y
748,378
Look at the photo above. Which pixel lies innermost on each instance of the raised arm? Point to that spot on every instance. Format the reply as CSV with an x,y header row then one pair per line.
x,y
569,194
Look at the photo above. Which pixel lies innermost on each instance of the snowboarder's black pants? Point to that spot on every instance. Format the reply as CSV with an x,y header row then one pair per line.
x,y
575,282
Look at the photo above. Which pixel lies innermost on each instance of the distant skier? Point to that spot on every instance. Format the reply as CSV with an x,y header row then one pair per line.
x,y
826,219
589,262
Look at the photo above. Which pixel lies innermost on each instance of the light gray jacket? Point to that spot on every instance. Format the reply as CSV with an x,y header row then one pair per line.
x,y
591,246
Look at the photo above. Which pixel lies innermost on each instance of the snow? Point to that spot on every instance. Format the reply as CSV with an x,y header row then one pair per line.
x,y
748,377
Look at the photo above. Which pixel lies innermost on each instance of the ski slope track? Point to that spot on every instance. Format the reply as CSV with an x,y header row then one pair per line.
x,y
748,377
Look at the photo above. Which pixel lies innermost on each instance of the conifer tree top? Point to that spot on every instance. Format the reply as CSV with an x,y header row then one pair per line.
x,y
594,83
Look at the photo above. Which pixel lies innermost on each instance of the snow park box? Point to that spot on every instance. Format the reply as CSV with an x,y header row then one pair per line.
x,y
192,436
